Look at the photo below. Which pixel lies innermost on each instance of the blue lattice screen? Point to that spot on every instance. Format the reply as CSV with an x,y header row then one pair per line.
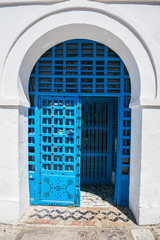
x,y
81,68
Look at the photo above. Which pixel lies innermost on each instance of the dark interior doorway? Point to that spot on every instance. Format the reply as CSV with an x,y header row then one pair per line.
x,y
97,188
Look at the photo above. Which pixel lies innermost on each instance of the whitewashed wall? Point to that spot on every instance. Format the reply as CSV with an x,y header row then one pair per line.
x,y
29,28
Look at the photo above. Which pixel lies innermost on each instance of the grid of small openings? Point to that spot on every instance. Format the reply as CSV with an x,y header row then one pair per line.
x,y
79,66
126,136
31,139
126,124
31,128
57,117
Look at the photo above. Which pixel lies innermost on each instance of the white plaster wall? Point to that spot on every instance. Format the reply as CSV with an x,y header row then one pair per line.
x,y
14,194
9,167
133,31
149,200
23,160
144,199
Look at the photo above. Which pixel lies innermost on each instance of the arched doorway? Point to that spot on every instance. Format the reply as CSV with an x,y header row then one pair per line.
x,y
79,123
126,37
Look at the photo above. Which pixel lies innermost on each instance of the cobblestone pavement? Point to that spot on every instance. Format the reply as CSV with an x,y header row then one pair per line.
x,y
97,196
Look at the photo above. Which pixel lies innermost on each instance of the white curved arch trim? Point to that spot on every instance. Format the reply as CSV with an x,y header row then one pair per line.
x,y
105,29
122,17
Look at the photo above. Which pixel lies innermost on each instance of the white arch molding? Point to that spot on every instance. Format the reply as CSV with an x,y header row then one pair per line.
x,y
70,22
90,21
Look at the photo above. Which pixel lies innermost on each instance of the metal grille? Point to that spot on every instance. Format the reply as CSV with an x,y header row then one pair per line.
x,y
78,68
95,152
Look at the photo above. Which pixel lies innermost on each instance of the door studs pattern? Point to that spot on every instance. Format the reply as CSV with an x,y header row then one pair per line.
x,y
58,187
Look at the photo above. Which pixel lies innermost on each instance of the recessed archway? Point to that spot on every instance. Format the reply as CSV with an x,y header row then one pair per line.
x,y
79,117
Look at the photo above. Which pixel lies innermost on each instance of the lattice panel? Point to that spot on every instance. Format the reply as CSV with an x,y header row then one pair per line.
x,y
79,66
126,136
123,146
59,138
32,150
31,139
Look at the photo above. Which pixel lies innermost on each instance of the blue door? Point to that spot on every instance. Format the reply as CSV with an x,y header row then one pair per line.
x,y
96,154
59,150
70,71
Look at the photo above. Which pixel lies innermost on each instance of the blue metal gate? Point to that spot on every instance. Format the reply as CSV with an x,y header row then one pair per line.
x,y
75,71
96,152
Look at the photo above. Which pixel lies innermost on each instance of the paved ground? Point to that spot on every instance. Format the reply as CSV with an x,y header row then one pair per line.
x,y
51,232
97,196
62,223
75,216
102,221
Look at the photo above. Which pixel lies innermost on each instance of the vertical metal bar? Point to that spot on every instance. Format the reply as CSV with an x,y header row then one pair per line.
x,y
105,68
64,65
79,67
88,127
94,68
100,138
53,69
96,138
109,137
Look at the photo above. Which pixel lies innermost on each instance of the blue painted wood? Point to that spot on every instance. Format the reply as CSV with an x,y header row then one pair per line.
x,y
58,171
80,69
